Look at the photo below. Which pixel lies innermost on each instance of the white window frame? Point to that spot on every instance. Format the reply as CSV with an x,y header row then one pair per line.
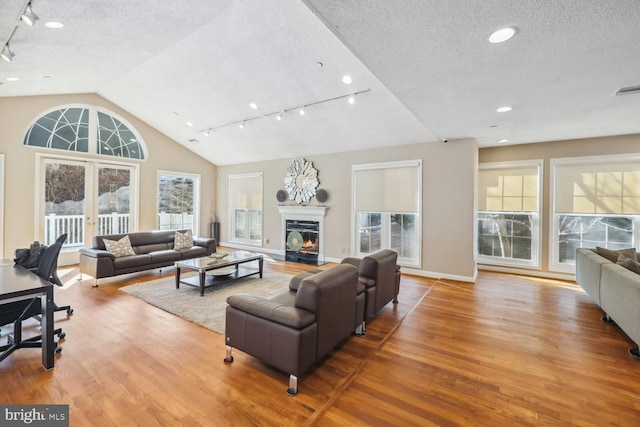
x,y
93,134
554,264
232,219
92,164
536,223
385,220
196,196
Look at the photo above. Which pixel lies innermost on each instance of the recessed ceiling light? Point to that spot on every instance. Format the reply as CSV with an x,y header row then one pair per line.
x,y
54,24
253,106
502,35
279,116
352,99
189,124
346,79
13,79
302,111
241,125
504,109
502,141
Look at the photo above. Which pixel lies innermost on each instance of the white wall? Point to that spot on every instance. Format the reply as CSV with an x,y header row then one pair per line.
x,y
449,172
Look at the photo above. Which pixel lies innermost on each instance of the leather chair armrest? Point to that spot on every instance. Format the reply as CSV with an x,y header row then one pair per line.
x,y
286,315
96,253
352,260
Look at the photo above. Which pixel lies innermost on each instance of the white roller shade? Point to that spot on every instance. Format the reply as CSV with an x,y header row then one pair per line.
x,y
394,188
245,191
508,189
611,188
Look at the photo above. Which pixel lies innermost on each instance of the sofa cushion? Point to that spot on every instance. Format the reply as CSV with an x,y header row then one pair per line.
x,y
629,263
119,248
164,256
183,240
613,255
131,261
271,310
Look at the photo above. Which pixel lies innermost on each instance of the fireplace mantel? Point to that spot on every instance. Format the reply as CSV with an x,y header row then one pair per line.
x,y
303,213
315,211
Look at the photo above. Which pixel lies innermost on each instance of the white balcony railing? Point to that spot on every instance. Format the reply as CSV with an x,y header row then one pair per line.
x,y
73,225
115,223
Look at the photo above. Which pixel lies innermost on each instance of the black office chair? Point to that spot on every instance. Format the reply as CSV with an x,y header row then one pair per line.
x,y
48,271
18,311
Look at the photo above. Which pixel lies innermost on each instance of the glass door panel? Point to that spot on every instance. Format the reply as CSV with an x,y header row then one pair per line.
x,y
64,202
114,214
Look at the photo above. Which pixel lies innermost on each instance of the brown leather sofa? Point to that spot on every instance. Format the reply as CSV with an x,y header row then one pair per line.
x,y
293,330
154,249
379,274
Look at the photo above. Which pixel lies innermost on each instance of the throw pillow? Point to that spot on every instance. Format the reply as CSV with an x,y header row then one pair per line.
x,y
120,247
629,263
183,240
613,255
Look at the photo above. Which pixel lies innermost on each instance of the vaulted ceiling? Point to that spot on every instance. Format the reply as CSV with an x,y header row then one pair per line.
x,y
422,70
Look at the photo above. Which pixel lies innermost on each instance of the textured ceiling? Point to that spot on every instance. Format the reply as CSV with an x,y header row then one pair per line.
x,y
427,67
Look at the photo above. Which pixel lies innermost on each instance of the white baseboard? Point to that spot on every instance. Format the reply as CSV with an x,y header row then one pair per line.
x,y
529,272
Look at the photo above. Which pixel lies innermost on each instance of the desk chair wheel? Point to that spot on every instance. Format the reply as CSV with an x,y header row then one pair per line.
x,y
58,350
62,335
69,311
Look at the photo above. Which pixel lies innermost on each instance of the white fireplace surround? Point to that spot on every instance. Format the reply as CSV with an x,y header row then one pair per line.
x,y
303,213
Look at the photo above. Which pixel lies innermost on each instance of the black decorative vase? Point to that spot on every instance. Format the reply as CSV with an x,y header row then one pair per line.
x,y
214,231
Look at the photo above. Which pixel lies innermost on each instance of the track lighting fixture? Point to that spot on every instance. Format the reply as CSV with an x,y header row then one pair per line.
x,y
29,17
279,114
6,53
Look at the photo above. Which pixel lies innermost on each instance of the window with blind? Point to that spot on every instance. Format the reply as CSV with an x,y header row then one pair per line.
x,y
245,204
387,200
596,202
509,213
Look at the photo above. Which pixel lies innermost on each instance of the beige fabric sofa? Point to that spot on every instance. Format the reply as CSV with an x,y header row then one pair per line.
x,y
614,288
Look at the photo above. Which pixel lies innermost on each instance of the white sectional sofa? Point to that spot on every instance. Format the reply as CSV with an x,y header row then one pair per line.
x,y
616,289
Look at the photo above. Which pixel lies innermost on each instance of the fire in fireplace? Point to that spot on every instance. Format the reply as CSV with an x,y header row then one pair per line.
x,y
302,241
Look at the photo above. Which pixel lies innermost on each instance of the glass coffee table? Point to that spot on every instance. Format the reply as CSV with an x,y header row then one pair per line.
x,y
221,268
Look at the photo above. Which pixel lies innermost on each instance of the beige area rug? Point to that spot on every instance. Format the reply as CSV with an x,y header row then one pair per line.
x,y
209,310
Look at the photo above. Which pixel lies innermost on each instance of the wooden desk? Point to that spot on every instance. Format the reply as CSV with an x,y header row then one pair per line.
x,y
17,284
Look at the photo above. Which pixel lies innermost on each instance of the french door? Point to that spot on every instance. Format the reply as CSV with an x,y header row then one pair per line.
x,y
84,198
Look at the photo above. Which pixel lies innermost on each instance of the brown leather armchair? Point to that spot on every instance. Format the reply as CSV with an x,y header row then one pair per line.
x,y
294,329
379,273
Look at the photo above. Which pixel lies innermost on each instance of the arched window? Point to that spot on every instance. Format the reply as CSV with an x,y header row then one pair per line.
x,y
85,130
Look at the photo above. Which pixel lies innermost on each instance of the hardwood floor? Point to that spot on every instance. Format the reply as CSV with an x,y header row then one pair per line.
x,y
507,350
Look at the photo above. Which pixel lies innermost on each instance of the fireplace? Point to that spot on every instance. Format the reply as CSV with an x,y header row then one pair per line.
x,y
302,233
302,241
